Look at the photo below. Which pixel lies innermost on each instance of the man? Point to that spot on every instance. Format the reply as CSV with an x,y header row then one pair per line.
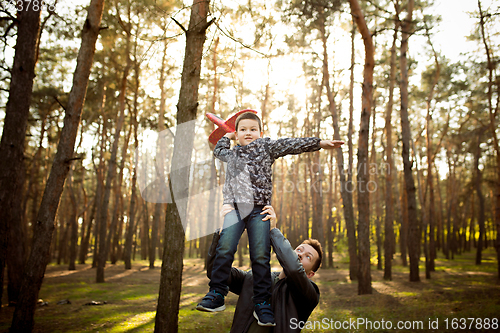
x,y
294,295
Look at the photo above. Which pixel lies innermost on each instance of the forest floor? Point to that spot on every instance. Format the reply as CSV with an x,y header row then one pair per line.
x,y
459,297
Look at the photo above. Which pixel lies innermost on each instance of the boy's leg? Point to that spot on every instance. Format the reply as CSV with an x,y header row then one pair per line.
x,y
224,254
260,254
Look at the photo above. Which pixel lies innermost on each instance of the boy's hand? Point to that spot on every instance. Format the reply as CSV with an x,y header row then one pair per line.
x,y
330,144
226,208
271,215
230,135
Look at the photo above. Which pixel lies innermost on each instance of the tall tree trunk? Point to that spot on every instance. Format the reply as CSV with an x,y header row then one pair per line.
x,y
346,189
478,183
493,111
63,233
167,311
12,165
73,223
115,232
375,195
85,240
131,226
99,172
389,241
450,197
34,174
160,150
23,319
413,228
212,200
425,221
317,178
363,177
330,220
430,158
404,227
112,166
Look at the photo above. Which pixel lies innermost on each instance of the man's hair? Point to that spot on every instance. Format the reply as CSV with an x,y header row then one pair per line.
x,y
248,115
317,246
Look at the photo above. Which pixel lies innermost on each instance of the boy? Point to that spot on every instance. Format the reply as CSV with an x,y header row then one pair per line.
x,y
248,188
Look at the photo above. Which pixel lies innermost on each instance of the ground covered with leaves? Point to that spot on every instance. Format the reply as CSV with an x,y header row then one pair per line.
x,y
460,296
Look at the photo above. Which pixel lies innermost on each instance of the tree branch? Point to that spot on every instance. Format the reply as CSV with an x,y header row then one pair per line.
x,y
180,25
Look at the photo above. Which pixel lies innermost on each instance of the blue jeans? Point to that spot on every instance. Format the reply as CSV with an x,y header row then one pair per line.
x,y
260,252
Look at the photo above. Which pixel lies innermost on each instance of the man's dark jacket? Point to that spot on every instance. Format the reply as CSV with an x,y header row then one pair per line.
x,y
293,298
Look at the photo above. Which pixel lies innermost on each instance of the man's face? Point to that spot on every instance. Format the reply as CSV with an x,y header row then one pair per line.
x,y
307,256
248,131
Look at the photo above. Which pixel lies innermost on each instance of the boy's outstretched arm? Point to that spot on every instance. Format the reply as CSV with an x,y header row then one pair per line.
x,y
330,144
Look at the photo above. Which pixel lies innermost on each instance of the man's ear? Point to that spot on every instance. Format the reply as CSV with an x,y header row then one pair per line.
x,y
311,274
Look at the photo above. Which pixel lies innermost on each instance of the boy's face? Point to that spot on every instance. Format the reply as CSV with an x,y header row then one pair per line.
x,y
248,131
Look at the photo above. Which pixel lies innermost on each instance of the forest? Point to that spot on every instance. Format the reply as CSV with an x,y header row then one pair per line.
x,y
106,160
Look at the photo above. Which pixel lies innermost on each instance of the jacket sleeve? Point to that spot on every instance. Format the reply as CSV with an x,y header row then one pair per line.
x,y
222,149
304,288
237,276
293,146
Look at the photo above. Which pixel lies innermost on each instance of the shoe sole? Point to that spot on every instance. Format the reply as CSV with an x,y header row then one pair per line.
x,y
202,308
261,323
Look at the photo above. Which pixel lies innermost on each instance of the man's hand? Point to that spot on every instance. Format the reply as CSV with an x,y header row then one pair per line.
x,y
330,144
230,135
226,208
271,215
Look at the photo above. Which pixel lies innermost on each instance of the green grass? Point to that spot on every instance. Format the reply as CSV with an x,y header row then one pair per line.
x,y
457,289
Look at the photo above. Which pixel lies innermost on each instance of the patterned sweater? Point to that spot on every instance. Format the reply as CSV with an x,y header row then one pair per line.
x,y
249,168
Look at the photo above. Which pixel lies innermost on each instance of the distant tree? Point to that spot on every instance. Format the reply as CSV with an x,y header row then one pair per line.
x,y
112,165
23,319
132,215
391,176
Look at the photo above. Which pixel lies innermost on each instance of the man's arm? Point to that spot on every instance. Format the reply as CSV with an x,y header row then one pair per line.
x,y
294,271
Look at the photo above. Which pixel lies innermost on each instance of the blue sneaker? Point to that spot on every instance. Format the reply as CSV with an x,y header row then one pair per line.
x,y
264,314
212,302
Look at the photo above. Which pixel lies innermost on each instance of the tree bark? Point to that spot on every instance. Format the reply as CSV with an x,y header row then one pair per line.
x,y
363,177
23,319
12,165
413,228
167,312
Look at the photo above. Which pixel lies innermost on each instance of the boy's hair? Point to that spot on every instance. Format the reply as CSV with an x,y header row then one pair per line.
x,y
317,246
248,115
